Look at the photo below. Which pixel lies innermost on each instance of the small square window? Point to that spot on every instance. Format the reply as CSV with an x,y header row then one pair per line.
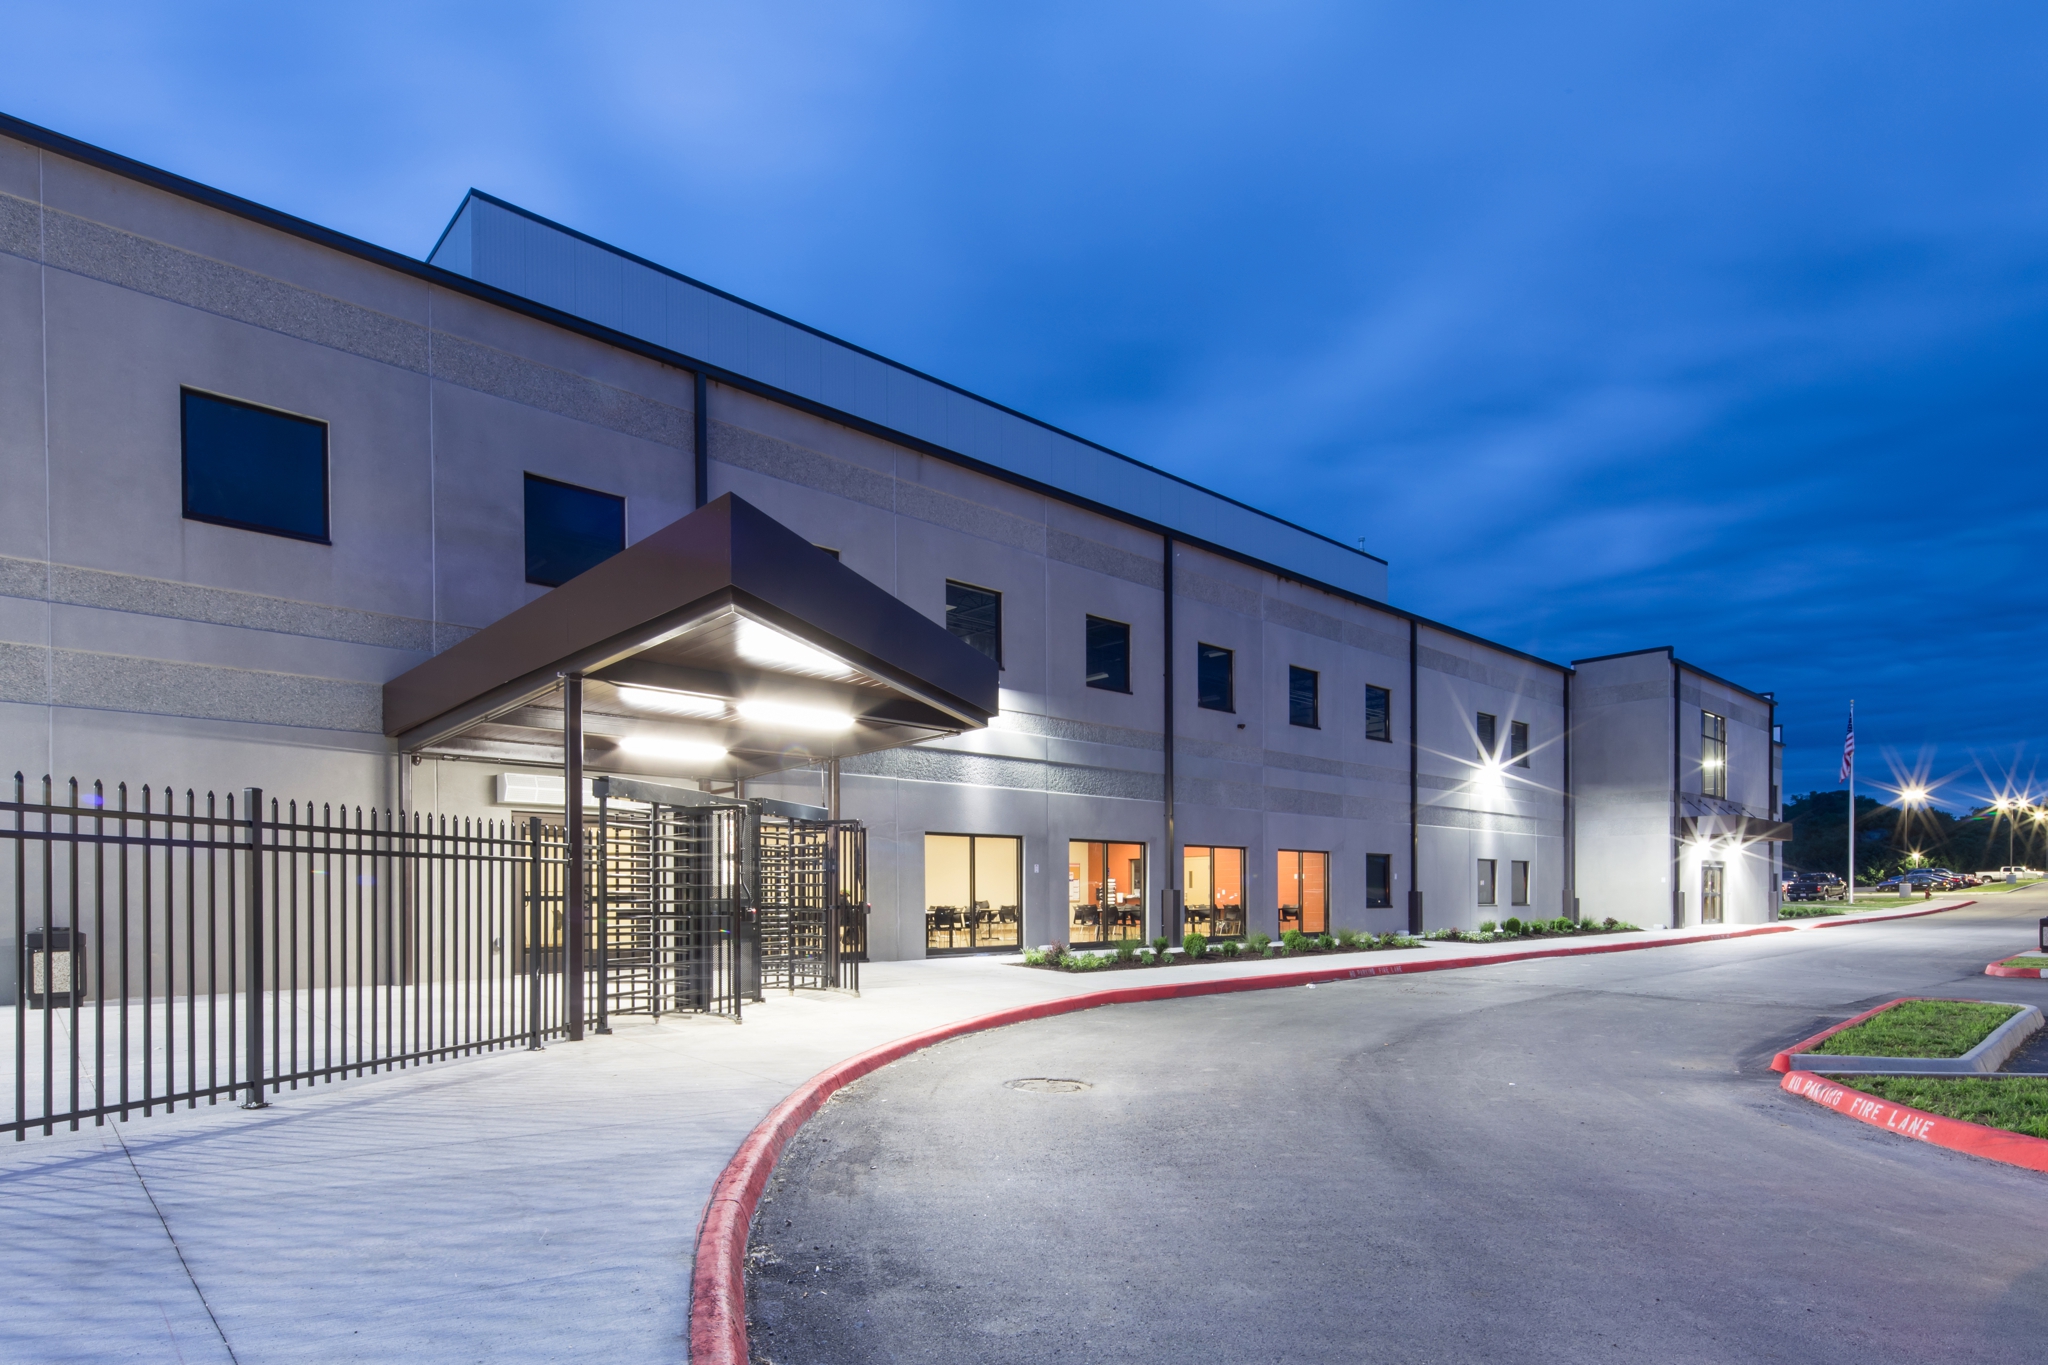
x,y
1379,880
1518,883
1488,730
569,530
252,468
1379,714
975,615
1303,699
1215,678
1488,870
1518,742
1109,655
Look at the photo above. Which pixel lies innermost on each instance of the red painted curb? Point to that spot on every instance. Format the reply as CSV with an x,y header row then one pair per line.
x,y
1958,1135
1833,922
1783,1061
718,1291
1999,968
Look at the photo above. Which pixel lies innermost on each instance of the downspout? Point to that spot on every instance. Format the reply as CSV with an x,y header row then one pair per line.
x,y
1414,790
1169,889
1677,895
1571,830
702,439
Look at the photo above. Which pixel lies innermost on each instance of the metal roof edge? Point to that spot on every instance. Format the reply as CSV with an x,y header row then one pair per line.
x,y
879,358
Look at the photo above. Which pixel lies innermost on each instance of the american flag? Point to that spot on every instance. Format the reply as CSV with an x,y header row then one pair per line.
x,y
1849,747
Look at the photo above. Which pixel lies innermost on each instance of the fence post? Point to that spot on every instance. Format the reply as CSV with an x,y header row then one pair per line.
x,y
252,800
602,868
533,829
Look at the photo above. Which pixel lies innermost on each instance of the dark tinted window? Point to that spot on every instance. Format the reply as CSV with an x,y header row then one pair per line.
x,y
976,616
1215,685
253,468
1109,655
1379,714
1518,883
1489,737
1379,880
1518,742
1301,697
569,529
1487,870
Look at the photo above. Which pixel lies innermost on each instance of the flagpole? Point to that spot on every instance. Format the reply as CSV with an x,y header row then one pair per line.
x,y
1852,803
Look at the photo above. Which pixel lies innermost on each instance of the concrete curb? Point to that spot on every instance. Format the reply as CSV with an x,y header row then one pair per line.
x,y
1980,1060
1958,1135
2000,969
718,1291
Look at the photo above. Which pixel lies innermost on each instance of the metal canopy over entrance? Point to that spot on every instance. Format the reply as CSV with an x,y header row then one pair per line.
x,y
724,646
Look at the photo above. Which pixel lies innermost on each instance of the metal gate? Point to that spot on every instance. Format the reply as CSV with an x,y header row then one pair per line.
x,y
701,903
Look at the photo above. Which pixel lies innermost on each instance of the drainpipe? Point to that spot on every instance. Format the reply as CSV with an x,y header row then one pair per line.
x,y
702,441
572,838
1414,790
1169,890
1571,829
1677,853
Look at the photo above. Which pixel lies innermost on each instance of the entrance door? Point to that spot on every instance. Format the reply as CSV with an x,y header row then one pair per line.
x,y
1711,878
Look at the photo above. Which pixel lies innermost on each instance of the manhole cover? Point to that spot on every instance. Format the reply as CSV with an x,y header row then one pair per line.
x,y
1048,1085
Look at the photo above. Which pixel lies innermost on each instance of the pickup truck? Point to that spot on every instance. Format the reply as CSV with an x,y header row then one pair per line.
x,y
1816,886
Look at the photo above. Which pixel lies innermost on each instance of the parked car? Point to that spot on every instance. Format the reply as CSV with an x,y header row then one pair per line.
x,y
1923,879
1816,886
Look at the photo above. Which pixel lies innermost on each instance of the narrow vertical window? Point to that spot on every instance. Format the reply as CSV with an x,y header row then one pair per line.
x,y
1303,699
1213,900
1379,880
1109,655
975,616
1303,885
569,530
1518,742
1489,738
1518,883
1379,714
1488,871
1713,755
1215,678
252,468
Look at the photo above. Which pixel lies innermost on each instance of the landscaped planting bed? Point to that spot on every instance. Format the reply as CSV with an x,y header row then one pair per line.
x,y
2018,1104
2026,960
1920,1028
1197,950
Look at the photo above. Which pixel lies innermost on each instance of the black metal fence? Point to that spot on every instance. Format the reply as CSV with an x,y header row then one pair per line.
x,y
173,949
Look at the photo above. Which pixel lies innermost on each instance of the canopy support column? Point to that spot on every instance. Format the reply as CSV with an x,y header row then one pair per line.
x,y
572,852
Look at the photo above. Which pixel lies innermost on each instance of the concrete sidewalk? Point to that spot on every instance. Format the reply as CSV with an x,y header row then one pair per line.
x,y
513,1207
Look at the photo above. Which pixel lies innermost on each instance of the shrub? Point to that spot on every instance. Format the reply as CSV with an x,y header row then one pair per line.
x,y
1487,926
1195,947
1611,923
1325,943
1513,926
1084,962
1561,925
1352,938
1160,945
1231,947
1033,958
1127,950
1255,944
1296,941
1054,952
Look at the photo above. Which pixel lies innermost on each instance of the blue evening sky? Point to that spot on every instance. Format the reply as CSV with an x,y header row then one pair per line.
x,y
1610,325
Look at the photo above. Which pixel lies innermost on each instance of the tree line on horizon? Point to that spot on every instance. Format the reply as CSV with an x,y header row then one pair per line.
x,y
1890,840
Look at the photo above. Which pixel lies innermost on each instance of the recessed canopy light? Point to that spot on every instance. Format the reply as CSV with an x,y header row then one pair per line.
x,y
767,647
675,750
795,717
674,703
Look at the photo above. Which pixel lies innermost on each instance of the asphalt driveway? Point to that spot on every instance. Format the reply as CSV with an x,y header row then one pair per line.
x,y
1566,1160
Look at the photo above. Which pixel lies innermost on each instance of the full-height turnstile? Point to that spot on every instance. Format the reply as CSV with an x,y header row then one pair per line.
x,y
702,903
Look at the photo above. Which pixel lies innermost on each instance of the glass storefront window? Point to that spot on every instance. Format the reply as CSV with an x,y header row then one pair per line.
x,y
1213,897
1105,891
1304,886
973,892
